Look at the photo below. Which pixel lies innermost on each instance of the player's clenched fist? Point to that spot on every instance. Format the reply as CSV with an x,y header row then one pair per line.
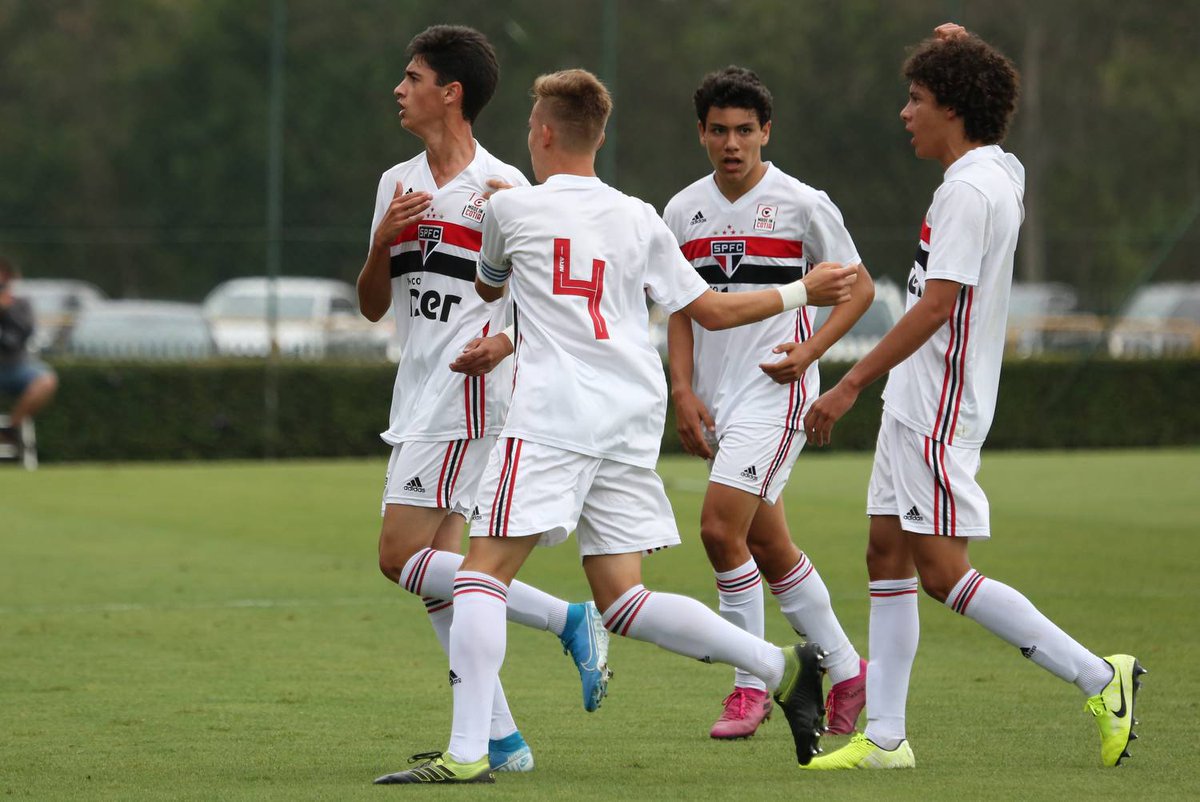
x,y
828,284
404,210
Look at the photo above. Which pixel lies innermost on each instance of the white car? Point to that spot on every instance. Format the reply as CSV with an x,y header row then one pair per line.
x,y
315,318
1161,320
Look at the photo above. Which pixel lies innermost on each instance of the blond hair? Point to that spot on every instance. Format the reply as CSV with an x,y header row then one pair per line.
x,y
578,103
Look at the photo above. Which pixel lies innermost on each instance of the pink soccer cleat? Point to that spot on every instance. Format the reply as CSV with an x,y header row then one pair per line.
x,y
845,702
745,709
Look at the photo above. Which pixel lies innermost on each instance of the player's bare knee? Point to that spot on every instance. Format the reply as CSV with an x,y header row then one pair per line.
x,y
394,554
935,587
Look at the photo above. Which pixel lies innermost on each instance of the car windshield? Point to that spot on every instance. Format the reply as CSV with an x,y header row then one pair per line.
x,y
289,307
142,327
1153,304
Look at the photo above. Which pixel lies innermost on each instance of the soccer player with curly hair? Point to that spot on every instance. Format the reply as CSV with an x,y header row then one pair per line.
x,y
944,358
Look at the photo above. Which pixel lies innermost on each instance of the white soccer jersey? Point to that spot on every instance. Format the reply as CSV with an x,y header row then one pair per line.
x,y
583,257
769,237
437,309
947,389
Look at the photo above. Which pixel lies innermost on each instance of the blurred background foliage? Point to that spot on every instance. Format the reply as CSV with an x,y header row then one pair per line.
x,y
134,145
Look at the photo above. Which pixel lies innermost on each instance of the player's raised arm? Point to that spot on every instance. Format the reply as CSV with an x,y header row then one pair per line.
x,y
495,267
827,284
375,280
799,355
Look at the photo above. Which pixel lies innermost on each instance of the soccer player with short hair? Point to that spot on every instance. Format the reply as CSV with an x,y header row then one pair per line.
x,y
425,239
944,356
582,435
745,225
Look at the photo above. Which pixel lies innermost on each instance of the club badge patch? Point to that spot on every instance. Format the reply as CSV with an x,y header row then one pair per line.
x,y
428,236
764,220
728,254
474,208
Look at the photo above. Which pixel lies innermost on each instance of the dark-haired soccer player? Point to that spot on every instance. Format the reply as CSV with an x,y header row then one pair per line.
x,y
746,225
944,357
425,239
582,436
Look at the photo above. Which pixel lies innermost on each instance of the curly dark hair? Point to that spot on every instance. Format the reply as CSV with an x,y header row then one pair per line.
x,y
733,88
459,53
973,78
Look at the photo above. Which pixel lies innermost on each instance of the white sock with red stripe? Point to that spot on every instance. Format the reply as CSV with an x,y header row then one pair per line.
x,y
441,615
895,630
740,602
478,638
1011,617
804,600
685,626
430,572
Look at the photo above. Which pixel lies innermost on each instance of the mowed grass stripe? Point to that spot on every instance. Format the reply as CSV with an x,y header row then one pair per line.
x,y
222,632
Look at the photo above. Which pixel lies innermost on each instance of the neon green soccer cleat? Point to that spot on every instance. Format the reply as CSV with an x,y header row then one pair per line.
x,y
434,767
863,753
1113,708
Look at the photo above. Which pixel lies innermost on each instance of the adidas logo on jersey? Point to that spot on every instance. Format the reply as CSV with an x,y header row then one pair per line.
x,y
750,473
697,219
454,680
414,485
913,515
1028,651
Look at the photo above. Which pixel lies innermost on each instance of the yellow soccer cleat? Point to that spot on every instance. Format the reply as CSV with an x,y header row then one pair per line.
x,y
1113,708
863,753
434,767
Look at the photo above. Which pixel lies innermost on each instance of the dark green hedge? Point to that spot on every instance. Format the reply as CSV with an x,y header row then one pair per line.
x,y
216,410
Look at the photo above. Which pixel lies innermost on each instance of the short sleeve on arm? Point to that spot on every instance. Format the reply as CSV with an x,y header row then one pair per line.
x,y
383,198
827,239
670,278
495,264
959,231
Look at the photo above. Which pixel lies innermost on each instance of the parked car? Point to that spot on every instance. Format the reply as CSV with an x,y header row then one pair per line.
x,y
881,315
1160,320
160,330
315,318
56,304
1042,318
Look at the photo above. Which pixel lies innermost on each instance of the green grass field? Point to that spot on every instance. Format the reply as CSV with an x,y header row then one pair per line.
x,y
221,631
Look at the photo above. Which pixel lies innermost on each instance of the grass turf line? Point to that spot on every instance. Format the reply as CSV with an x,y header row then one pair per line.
x,y
221,631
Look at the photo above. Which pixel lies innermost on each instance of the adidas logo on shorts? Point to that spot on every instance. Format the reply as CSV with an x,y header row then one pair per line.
x,y
414,485
750,473
697,219
913,515
454,680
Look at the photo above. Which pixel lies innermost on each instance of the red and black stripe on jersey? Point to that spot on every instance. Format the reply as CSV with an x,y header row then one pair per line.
x,y
748,271
438,260
922,256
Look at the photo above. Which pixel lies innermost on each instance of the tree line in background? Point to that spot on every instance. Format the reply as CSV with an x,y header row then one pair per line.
x,y
134,146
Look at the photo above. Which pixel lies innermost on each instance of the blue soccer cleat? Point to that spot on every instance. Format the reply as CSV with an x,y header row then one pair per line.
x,y
510,753
586,640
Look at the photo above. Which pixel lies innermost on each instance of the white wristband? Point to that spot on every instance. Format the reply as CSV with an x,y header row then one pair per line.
x,y
511,334
794,295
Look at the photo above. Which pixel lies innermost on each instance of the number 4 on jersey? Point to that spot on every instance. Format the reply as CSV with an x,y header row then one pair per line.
x,y
592,289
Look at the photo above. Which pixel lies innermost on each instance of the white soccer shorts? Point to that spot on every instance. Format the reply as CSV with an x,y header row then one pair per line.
x,y
931,486
755,457
444,474
613,508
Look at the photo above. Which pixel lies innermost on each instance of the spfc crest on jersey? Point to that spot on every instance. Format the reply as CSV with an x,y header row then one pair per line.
x,y
728,254
428,236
